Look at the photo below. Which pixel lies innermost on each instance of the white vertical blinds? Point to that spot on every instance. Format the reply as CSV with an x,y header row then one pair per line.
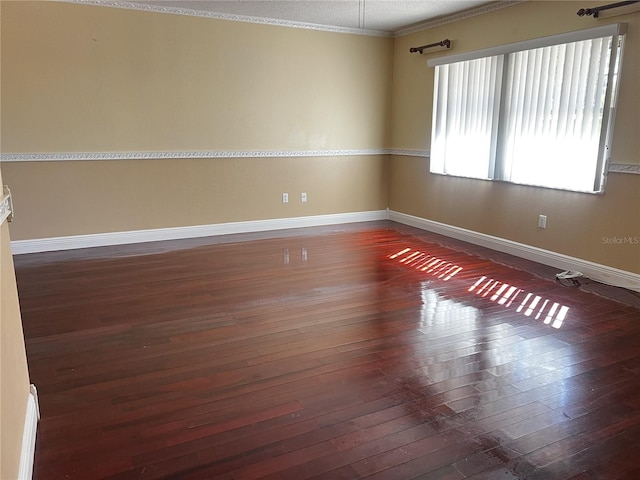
x,y
465,116
554,114
538,116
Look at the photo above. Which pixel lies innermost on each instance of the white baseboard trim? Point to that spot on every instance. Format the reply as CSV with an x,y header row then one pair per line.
x,y
139,236
25,471
595,271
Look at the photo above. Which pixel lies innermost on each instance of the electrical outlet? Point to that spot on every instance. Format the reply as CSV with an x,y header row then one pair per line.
x,y
542,221
303,197
285,198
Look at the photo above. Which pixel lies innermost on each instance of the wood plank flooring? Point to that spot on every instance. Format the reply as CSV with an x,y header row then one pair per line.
x,y
371,352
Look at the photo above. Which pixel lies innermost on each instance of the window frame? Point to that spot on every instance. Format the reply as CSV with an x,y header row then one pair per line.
x,y
616,31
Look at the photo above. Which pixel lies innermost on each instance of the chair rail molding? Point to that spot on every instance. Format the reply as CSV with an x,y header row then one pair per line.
x,y
218,154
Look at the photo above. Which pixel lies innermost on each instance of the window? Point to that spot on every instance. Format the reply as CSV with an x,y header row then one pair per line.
x,y
537,113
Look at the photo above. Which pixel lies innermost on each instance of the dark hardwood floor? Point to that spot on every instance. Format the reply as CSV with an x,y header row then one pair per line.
x,y
366,351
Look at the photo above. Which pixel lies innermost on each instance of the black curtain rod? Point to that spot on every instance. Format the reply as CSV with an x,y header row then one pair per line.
x,y
444,43
596,10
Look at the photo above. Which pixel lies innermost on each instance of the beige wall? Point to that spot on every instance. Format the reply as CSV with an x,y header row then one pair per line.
x,y
14,378
112,196
82,78
79,78
86,78
577,223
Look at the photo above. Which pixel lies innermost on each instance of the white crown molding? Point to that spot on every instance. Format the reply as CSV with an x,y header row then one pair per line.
x,y
595,271
177,233
230,17
302,25
474,12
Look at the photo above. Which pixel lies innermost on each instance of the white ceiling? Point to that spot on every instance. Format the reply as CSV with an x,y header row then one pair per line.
x,y
389,16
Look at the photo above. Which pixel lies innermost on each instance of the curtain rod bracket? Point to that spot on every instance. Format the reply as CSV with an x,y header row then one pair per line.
x,y
596,10
444,43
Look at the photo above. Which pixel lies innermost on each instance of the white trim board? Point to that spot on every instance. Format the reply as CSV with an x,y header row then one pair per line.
x,y
594,271
231,17
419,27
176,233
296,24
600,273
175,155
609,30
217,154
25,471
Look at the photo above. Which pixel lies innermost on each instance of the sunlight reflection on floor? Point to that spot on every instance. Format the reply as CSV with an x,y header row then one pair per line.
x,y
438,311
426,263
435,309
506,295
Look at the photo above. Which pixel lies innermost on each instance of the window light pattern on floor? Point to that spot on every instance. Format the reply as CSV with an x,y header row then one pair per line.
x,y
532,305
426,263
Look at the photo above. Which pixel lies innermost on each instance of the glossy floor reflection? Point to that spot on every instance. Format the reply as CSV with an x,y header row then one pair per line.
x,y
362,352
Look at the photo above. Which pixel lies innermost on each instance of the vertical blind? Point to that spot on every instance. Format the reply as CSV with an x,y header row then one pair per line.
x,y
537,116
465,116
554,113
